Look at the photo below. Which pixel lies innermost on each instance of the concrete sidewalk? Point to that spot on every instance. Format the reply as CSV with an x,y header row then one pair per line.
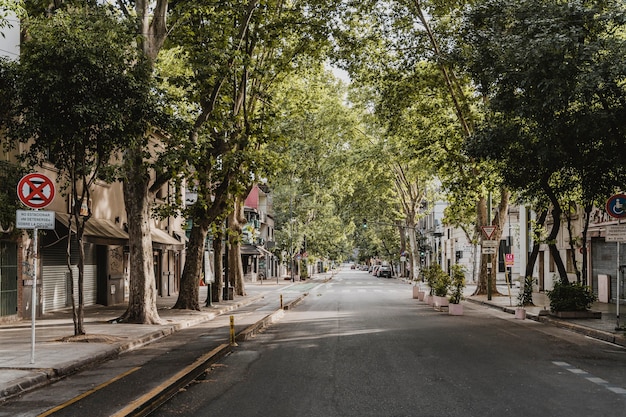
x,y
603,328
55,359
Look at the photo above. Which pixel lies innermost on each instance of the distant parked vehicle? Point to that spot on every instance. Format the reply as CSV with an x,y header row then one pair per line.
x,y
384,271
375,270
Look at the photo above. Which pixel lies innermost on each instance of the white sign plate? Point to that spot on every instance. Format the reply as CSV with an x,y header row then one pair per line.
x,y
34,219
616,233
489,251
490,243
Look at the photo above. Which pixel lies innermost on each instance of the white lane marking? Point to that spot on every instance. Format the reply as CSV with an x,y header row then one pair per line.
x,y
598,381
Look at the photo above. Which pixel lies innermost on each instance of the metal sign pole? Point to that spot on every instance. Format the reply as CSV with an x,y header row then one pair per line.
x,y
33,303
619,221
617,285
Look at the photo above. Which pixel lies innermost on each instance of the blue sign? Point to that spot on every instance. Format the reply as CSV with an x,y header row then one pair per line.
x,y
616,206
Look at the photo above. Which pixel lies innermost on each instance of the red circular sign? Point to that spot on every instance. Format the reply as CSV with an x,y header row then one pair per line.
x,y
35,190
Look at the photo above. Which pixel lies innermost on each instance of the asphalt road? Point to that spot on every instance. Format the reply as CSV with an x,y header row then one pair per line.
x,y
361,346
133,380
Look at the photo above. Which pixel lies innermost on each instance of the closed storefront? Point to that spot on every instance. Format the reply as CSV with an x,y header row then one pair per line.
x,y
604,262
56,278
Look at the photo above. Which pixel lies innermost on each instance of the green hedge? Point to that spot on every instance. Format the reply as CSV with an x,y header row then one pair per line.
x,y
570,297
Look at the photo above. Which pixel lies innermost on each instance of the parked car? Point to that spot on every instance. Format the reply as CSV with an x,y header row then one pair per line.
x,y
384,271
375,270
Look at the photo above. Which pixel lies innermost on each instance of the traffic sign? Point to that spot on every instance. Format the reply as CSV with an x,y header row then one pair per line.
x,y
615,233
488,231
489,243
616,206
509,259
35,190
34,219
489,251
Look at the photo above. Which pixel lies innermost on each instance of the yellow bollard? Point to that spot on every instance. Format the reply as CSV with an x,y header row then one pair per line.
x,y
281,301
233,341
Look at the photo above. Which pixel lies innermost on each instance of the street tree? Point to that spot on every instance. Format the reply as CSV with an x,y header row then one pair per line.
x,y
77,104
313,183
422,31
141,172
553,74
238,52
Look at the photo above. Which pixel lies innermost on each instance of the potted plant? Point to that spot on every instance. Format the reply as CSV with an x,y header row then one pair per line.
x,y
456,290
440,289
524,297
417,288
431,277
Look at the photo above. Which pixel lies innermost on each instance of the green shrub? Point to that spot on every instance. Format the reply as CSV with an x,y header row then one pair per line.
x,y
570,297
457,284
438,281
431,274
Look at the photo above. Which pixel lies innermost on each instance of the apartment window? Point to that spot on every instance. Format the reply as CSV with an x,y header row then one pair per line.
x,y
569,264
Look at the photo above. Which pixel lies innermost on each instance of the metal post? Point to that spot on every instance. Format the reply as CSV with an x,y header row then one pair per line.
x,y
233,341
209,296
489,277
225,290
33,303
489,256
617,327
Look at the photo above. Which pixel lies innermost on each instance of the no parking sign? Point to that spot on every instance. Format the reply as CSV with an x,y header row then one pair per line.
x,y
35,190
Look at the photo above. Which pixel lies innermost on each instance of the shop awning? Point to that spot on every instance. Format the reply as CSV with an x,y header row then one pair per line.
x,y
162,240
247,249
97,231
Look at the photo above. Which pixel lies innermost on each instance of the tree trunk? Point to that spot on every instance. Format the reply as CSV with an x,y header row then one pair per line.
x,y
530,265
585,266
77,308
554,232
486,286
235,225
236,267
218,266
413,254
403,245
142,298
572,241
79,327
192,272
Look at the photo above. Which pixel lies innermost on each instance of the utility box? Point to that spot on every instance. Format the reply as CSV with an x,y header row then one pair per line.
x,y
115,293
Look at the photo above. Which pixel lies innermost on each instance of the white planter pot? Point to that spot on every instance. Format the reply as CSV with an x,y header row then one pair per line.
x,y
455,309
441,301
416,290
429,299
421,295
520,313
